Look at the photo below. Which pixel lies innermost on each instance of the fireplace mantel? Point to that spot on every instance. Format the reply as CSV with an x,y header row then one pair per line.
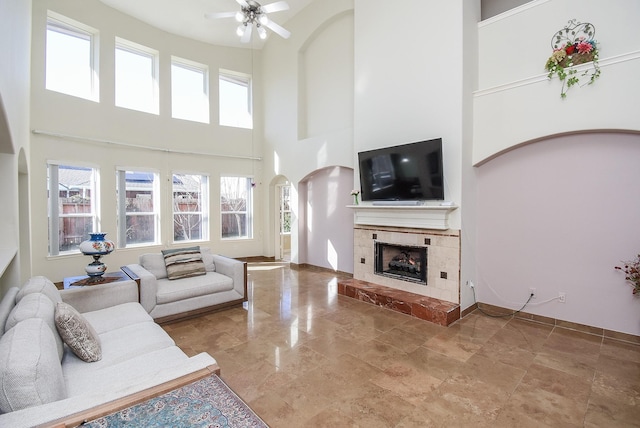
x,y
415,217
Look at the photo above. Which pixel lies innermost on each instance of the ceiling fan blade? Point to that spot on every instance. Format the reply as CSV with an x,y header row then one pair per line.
x,y
243,3
275,7
246,37
278,29
216,15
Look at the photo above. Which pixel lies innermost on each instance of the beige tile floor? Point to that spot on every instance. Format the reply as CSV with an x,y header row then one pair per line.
x,y
302,356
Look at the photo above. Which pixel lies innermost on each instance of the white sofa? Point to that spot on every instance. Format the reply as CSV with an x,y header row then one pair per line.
x,y
41,380
223,285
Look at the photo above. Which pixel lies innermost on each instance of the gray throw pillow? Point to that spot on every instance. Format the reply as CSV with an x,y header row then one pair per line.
x,y
184,262
77,333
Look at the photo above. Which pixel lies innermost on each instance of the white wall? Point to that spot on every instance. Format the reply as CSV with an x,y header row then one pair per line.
x,y
558,214
308,99
15,38
517,103
408,82
59,113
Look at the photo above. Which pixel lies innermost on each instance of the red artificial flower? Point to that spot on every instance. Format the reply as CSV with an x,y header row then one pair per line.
x,y
585,47
570,49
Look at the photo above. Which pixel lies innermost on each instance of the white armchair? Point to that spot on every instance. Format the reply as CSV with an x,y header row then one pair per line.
x,y
224,285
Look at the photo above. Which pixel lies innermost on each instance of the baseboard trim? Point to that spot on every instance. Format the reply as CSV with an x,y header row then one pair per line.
x,y
607,334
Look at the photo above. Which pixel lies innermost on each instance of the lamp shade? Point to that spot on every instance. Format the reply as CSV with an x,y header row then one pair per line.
x,y
96,246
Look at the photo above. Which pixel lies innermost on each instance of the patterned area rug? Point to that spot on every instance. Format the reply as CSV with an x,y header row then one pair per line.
x,y
208,402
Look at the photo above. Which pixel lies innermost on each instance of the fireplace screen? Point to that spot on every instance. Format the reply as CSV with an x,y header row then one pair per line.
x,y
401,262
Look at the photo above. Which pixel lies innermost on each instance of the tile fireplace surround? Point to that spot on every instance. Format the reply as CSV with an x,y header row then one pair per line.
x,y
437,301
443,259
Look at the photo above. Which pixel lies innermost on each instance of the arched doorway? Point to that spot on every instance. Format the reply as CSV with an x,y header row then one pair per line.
x,y
282,218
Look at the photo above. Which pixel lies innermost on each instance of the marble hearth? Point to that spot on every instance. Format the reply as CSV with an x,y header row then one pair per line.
x,y
425,308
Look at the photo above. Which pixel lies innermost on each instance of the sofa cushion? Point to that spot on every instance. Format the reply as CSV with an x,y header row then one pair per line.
x,y
115,317
77,333
118,346
173,291
183,262
207,258
39,284
154,263
6,306
36,305
31,374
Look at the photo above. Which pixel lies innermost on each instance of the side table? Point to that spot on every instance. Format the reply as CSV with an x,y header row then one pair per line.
x,y
108,278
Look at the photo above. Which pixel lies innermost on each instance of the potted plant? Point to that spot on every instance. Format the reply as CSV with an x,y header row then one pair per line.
x,y
572,46
631,270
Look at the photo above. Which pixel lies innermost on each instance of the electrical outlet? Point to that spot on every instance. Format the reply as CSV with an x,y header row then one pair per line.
x,y
532,292
471,284
562,297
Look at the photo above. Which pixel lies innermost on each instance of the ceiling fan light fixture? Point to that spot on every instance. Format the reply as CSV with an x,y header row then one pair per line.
x,y
263,19
262,33
241,29
239,16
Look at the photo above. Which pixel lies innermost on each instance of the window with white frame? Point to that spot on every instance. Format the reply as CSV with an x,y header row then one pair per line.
x,y
138,208
189,90
136,76
72,206
190,207
235,99
71,58
236,207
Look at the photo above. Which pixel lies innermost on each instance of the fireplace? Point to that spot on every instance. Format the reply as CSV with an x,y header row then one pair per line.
x,y
407,263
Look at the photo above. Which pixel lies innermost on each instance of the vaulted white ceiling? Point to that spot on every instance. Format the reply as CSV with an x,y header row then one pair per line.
x,y
186,18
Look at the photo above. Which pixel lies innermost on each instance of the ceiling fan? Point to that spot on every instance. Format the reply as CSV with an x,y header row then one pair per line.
x,y
251,12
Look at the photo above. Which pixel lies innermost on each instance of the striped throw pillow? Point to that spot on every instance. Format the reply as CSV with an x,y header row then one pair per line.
x,y
183,262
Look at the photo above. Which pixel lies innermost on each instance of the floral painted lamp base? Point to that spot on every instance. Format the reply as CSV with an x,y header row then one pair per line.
x,y
96,246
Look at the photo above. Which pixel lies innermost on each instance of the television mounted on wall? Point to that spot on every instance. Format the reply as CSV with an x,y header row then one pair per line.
x,y
408,172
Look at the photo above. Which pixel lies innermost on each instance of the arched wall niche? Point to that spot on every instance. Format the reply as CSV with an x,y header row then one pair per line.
x,y
325,83
325,224
557,216
552,136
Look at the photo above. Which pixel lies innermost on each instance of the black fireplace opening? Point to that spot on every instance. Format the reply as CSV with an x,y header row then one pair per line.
x,y
407,263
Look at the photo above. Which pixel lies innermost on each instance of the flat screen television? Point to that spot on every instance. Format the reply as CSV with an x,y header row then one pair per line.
x,y
408,172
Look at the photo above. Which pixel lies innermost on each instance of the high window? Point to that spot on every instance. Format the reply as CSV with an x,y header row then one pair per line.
x,y
138,208
71,58
235,99
189,90
190,207
136,77
236,207
72,206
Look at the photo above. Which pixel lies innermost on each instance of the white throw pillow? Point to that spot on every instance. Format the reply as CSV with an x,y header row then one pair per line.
x,y
207,258
31,373
77,333
154,263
